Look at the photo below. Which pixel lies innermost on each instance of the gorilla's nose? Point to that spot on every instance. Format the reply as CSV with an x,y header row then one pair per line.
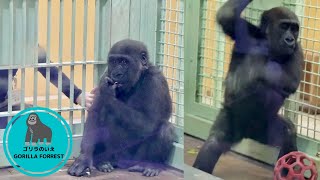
x,y
289,41
117,76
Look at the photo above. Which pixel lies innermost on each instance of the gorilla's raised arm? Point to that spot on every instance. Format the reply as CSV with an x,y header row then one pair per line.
x,y
228,16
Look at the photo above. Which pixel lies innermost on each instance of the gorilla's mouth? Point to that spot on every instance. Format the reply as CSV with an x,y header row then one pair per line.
x,y
291,49
32,122
118,84
111,82
291,46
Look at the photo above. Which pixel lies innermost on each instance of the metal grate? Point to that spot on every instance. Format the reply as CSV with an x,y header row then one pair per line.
x,y
304,107
171,52
214,57
215,53
70,30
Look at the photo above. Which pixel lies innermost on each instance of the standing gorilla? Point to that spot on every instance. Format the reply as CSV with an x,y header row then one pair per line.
x,y
265,69
127,125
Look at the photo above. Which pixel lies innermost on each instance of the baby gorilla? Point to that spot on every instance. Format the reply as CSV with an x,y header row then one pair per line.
x,y
127,125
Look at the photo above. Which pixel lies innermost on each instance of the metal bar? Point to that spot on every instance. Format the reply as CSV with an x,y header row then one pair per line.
x,y
72,60
64,109
23,74
96,41
48,52
60,53
180,74
35,56
54,64
84,67
11,59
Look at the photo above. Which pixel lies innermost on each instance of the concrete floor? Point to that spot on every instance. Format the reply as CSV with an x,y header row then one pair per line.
x,y
230,166
169,174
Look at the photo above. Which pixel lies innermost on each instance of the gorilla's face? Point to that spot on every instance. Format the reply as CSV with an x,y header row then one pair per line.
x,y
282,30
123,69
284,36
32,119
126,62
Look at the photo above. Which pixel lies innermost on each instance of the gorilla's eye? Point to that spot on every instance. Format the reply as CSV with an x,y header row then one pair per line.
x,y
123,61
284,26
112,61
295,28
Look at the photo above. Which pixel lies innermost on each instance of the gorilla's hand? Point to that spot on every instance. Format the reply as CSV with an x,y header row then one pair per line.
x,y
80,167
108,88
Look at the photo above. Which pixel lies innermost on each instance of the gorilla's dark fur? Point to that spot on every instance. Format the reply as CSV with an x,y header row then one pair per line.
x,y
127,125
265,69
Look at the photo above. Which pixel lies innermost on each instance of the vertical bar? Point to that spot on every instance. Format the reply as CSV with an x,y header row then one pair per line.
x,y
35,87
167,38
105,40
72,64
175,64
60,53
158,32
84,66
48,53
175,79
180,74
35,56
24,35
96,41
11,59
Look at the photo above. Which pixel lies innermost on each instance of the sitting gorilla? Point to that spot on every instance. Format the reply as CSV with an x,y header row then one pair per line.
x,y
127,125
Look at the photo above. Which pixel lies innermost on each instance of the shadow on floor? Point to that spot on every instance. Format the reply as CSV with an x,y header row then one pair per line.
x,y
230,166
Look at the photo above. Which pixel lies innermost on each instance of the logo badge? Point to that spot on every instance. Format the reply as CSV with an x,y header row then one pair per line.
x,y
37,142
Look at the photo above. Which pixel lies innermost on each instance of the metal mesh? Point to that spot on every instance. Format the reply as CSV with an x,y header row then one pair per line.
x,y
215,53
304,107
171,52
214,57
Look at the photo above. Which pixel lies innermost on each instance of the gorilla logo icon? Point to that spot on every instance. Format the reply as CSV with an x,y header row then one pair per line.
x,y
37,131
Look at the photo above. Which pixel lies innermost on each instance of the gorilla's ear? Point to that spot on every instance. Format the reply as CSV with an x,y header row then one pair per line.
x,y
144,60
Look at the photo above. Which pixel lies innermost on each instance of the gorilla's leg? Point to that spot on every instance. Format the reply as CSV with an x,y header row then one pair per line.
x,y
153,153
283,134
219,141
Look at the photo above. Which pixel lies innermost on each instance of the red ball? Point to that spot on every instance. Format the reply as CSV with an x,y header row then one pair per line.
x,y
295,166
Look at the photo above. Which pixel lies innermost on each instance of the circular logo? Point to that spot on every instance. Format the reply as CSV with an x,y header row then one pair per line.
x,y
37,142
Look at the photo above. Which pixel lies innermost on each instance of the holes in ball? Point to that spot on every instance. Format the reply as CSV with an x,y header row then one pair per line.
x,y
296,178
284,172
279,163
291,159
306,161
297,169
307,173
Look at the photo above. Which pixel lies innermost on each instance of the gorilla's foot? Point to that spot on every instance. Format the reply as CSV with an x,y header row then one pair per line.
x,y
105,167
80,167
147,169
